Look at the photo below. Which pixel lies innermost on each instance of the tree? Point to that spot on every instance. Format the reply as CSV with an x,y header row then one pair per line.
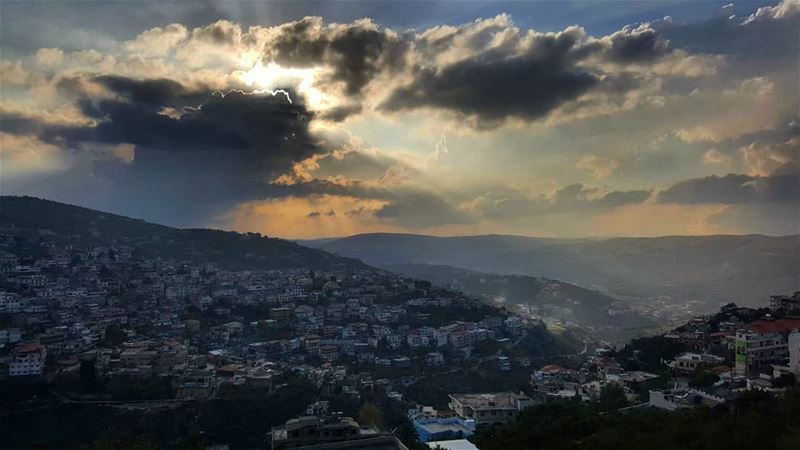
x,y
701,378
115,336
369,414
785,380
612,396
88,376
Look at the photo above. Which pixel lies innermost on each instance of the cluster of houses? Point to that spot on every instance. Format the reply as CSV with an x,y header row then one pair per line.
x,y
737,349
133,314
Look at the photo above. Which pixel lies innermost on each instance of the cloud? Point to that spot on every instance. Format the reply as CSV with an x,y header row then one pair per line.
x,y
766,39
526,78
784,9
761,159
637,45
488,70
175,116
421,210
224,151
782,186
330,213
49,57
356,52
567,199
157,41
599,167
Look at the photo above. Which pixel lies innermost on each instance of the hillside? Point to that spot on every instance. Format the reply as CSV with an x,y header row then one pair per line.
x,y
33,217
397,248
607,316
712,269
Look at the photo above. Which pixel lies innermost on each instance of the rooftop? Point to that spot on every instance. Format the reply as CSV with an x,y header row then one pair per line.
x,y
496,399
774,326
29,348
456,444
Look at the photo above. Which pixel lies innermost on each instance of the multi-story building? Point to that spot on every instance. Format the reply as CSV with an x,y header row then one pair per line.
x,y
10,302
491,408
433,359
686,363
785,302
312,430
28,360
763,342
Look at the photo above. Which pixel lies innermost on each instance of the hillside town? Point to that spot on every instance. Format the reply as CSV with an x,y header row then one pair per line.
x,y
110,313
150,316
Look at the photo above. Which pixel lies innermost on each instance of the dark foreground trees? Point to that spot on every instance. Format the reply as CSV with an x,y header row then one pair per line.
x,y
755,421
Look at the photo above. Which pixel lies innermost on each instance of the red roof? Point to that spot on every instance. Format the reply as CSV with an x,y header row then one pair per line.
x,y
774,326
553,368
29,348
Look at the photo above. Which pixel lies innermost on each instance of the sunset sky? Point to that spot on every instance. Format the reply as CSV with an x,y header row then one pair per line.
x,y
319,119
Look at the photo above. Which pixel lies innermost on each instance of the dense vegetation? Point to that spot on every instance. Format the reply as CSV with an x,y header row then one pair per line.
x,y
241,419
756,421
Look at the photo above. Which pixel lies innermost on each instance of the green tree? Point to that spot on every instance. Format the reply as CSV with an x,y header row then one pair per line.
x,y
785,380
701,378
612,397
369,414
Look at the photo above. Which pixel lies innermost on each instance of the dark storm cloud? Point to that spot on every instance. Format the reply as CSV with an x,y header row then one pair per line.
x,y
357,52
158,92
340,113
224,151
495,88
527,76
637,46
782,186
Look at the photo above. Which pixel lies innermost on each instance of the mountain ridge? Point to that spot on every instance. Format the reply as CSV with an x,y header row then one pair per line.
x,y
228,248
712,269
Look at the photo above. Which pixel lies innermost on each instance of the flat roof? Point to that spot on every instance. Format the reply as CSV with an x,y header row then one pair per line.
x,y
494,399
435,427
455,444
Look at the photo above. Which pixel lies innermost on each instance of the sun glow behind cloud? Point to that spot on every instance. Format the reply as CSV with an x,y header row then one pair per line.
x,y
273,77
581,136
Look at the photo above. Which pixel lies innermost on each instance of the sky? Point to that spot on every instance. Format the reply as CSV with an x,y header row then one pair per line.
x,y
326,119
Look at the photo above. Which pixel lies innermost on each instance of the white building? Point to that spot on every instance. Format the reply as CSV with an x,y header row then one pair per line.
x,y
686,363
28,359
489,409
762,343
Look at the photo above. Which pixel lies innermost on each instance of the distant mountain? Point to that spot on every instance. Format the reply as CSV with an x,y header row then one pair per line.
x,y
711,269
59,221
394,248
610,318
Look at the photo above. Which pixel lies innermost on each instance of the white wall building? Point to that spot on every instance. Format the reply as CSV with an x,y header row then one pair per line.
x,y
28,359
